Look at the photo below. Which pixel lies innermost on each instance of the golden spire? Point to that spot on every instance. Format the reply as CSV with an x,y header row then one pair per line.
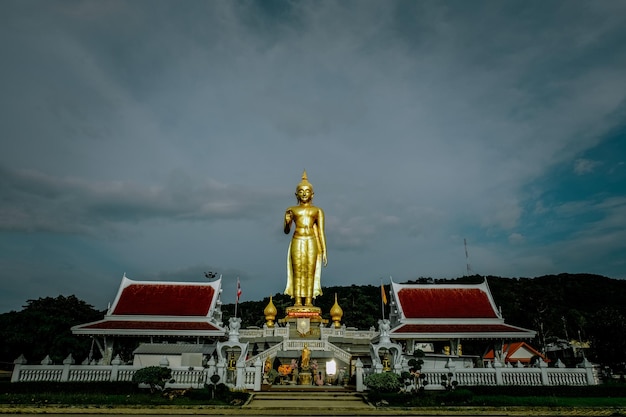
x,y
270,313
305,181
336,313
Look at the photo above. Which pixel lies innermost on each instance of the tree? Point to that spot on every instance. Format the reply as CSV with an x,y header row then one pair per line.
x,y
43,328
609,336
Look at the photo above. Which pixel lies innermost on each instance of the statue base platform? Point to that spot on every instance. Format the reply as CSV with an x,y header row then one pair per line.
x,y
304,322
311,312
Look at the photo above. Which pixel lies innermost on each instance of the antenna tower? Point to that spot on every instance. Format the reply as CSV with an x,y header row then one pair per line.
x,y
467,261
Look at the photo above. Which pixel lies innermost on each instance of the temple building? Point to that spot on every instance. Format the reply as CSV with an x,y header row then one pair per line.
x,y
517,353
439,319
170,316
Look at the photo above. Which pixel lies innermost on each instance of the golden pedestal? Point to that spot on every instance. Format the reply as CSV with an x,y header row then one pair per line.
x,y
305,378
304,322
304,311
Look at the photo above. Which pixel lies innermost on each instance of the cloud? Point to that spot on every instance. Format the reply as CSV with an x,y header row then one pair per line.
x,y
516,238
585,166
33,201
181,130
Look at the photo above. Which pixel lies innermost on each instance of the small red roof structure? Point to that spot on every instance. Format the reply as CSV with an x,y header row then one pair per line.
x,y
517,352
157,308
445,311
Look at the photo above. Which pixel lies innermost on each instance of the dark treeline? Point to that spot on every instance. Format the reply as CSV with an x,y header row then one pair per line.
x,y
566,306
42,328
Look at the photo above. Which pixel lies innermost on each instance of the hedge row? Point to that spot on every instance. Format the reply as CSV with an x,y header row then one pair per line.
x,y
107,388
603,390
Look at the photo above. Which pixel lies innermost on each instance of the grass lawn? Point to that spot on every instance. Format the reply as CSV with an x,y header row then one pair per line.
x,y
113,394
573,402
609,395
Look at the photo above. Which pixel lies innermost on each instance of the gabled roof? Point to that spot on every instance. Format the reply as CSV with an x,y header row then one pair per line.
x,y
518,351
163,299
445,301
160,308
445,311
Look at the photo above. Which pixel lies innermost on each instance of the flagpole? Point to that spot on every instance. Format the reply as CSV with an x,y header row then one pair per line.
x,y
382,299
237,294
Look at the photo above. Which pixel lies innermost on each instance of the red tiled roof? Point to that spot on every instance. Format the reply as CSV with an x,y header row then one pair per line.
x,y
512,348
457,328
149,325
165,300
445,303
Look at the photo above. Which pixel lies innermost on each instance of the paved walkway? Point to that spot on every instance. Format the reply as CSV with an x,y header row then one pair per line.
x,y
318,402
178,411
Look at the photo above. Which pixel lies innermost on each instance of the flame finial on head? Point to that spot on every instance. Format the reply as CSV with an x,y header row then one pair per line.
x,y
305,181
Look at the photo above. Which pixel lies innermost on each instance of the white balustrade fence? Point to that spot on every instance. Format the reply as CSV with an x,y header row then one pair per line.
x,y
540,376
250,377
183,377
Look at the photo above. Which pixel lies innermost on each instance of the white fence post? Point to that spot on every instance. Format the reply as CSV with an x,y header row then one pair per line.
x,y
221,370
21,360
498,371
115,367
591,378
258,374
240,382
543,366
67,362
360,387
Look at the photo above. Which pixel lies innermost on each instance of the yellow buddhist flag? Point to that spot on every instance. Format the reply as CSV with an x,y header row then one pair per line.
x,y
383,294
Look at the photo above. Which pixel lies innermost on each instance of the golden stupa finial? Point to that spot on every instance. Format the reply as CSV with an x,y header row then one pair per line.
x,y
336,313
304,181
270,313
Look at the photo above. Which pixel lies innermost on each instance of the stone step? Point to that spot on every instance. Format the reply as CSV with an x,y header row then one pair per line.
x,y
307,400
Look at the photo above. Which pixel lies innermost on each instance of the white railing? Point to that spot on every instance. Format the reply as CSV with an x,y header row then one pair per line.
x,y
183,377
250,376
299,344
340,354
251,333
541,376
265,354
476,377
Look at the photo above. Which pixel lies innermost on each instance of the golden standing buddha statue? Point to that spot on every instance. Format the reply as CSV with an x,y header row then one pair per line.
x,y
307,251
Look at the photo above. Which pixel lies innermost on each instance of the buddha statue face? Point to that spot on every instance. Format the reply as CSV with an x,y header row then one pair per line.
x,y
304,193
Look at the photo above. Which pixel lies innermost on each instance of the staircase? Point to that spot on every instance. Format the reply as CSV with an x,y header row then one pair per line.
x,y
321,401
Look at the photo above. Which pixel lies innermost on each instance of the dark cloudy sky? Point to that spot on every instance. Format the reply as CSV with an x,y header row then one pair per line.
x,y
162,139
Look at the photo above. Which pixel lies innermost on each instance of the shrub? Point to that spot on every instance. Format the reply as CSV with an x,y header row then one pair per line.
x,y
415,364
384,382
602,390
154,376
101,387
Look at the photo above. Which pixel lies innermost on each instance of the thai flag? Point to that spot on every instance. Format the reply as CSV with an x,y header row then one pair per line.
x,y
238,290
